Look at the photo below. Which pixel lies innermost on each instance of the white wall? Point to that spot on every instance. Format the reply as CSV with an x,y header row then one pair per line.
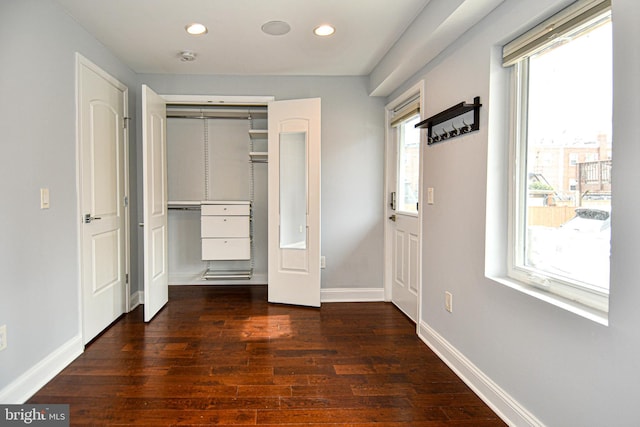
x,y
352,163
562,368
39,282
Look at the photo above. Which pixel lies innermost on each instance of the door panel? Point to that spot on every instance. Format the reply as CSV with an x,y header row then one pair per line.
x,y
403,178
294,202
405,268
154,177
102,144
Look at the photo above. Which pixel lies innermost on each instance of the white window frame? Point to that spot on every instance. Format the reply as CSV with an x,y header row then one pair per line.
x,y
575,296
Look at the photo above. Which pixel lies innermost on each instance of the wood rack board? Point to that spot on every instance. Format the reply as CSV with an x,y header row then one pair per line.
x,y
449,117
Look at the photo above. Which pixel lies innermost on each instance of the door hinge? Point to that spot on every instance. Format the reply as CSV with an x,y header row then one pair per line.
x,y
126,201
126,278
125,120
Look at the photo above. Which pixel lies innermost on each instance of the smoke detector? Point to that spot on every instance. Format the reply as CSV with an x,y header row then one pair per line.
x,y
187,56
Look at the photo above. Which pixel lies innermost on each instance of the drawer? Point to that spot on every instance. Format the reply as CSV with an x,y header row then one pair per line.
x,y
224,226
224,210
226,249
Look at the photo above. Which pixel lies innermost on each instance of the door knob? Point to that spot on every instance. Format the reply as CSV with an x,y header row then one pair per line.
x,y
88,218
393,218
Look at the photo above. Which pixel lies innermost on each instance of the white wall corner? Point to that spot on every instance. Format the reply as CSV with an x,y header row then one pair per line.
x,y
352,295
27,384
505,406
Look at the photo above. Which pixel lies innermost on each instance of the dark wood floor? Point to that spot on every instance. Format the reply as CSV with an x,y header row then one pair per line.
x,y
224,356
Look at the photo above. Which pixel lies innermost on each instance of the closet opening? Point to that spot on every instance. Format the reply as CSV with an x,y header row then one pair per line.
x,y
217,192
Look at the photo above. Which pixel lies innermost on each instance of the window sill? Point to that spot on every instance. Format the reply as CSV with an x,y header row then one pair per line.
x,y
581,310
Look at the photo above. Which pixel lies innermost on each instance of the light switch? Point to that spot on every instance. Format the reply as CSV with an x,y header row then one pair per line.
x,y
430,195
44,198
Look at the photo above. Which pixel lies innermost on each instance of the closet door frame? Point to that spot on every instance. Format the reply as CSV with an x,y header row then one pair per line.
x,y
213,100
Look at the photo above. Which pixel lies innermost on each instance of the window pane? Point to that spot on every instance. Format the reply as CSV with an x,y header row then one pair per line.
x,y
408,165
568,158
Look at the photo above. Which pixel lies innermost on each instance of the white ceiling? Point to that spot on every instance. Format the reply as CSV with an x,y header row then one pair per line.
x,y
149,34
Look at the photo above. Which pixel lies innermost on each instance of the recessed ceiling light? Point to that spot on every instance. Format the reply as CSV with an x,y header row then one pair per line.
x,y
196,29
324,30
276,28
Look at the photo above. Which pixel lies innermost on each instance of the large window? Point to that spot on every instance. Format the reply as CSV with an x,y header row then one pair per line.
x,y
560,217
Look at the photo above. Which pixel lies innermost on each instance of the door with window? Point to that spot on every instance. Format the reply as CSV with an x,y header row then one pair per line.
x,y
403,224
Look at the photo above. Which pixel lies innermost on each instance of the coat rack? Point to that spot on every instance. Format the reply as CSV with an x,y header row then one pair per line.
x,y
449,118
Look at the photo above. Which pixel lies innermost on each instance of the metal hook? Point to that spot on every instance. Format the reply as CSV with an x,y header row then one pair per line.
x,y
455,131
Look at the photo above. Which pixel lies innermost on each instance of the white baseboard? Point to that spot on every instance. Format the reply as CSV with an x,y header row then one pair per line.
x,y
136,299
507,408
352,295
27,384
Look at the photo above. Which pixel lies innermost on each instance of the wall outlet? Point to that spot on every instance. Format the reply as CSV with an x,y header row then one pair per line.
x,y
448,302
3,337
323,262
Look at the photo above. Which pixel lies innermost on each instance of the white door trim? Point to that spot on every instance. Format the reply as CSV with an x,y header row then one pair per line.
x,y
418,88
83,61
218,99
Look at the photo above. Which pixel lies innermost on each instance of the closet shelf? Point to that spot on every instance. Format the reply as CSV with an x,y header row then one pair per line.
x,y
258,133
258,156
184,204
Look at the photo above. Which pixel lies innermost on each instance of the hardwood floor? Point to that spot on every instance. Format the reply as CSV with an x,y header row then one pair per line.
x,y
224,356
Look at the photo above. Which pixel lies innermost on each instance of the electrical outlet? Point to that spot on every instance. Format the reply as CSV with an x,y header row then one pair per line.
x,y
448,302
3,337
323,262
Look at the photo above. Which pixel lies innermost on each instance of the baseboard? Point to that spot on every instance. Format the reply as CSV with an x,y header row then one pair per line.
x,y
136,299
351,294
27,384
507,408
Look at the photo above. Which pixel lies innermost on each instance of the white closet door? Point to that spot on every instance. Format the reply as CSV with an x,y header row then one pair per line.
x,y
294,202
154,177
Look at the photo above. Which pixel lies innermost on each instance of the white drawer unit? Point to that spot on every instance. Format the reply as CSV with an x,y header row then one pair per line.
x,y
225,231
226,249
224,227
209,209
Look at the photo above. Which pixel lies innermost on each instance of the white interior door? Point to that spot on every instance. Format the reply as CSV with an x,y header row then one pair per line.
x,y
294,202
154,178
403,230
102,168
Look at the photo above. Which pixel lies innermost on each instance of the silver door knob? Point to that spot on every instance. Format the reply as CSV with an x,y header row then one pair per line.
x,y
88,218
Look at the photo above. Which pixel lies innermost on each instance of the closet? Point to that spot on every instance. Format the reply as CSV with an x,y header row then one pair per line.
x,y
217,191
209,165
